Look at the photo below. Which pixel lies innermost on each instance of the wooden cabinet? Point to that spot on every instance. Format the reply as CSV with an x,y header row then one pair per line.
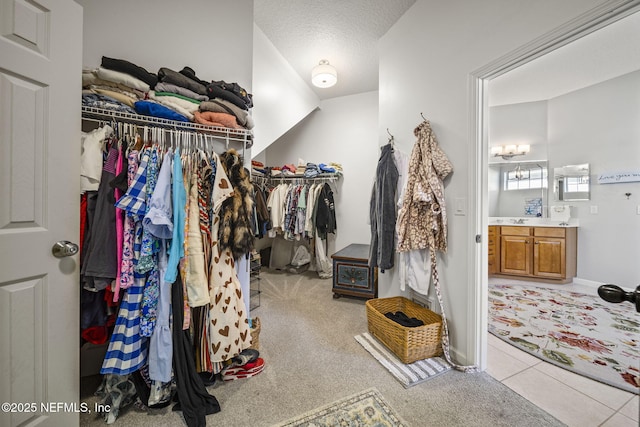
x,y
538,252
351,273
493,249
515,251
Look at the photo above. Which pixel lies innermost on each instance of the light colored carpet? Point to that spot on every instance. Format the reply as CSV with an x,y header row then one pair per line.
x,y
578,332
367,408
409,374
311,359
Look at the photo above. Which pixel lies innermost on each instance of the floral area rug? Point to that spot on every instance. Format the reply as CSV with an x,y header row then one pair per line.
x,y
578,332
367,408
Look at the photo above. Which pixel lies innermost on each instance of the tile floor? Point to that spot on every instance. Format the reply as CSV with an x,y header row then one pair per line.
x,y
571,398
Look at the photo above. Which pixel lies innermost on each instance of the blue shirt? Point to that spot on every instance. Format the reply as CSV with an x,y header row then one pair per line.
x,y
176,253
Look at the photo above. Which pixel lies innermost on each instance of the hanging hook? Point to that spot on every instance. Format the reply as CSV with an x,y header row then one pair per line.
x,y
422,115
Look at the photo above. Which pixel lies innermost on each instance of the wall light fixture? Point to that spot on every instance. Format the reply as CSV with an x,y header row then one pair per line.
x,y
508,152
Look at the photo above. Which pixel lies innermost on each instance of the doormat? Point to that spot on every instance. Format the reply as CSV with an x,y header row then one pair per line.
x,y
578,332
367,408
408,374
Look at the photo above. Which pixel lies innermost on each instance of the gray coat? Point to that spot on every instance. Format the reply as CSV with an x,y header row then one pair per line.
x,y
382,211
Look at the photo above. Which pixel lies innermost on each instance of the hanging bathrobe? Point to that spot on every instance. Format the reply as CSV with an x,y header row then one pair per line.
x,y
227,324
422,220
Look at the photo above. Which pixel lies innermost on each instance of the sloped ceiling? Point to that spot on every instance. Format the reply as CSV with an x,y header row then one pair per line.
x,y
607,53
344,32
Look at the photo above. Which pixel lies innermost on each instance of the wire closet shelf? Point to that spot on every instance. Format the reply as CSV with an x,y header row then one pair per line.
x,y
242,136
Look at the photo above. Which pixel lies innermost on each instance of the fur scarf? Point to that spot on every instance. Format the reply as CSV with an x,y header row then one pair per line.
x,y
236,228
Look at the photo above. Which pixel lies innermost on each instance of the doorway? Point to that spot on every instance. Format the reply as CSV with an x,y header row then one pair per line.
x,y
479,82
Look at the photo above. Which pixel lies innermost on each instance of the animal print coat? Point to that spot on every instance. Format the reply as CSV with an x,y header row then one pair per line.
x,y
422,219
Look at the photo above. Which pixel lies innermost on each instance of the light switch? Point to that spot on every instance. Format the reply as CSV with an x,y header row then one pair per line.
x,y
638,209
594,210
460,206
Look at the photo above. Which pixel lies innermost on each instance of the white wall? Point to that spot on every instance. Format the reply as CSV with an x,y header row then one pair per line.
x,y
213,38
524,123
342,130
425,62
599,125
281,97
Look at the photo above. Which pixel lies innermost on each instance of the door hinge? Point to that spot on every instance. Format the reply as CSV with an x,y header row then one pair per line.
x,y
478,238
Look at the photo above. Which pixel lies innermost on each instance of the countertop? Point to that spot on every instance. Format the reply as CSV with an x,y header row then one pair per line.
x,y
533,222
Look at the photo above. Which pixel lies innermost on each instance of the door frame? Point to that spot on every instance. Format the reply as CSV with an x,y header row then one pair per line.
x,y
478,81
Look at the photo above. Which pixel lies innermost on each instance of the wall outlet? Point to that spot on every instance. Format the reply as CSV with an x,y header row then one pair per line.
x,y
594,210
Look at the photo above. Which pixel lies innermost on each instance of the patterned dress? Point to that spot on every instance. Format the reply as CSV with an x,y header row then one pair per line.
x,y
227,322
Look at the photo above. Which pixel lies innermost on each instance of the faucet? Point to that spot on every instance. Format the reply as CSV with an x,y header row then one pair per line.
x,y
518,221
564,223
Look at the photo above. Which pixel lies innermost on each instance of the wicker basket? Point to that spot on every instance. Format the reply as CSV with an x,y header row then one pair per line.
x,y
255,333
409,344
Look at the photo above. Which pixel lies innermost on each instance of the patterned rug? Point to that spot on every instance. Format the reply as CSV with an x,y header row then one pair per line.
x,y
578,332
367,408
408,374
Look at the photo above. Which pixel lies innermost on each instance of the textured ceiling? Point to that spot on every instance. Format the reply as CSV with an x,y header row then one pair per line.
x,y
345,32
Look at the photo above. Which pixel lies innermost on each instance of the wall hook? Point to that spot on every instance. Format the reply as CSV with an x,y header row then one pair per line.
x,y
423,118
628,195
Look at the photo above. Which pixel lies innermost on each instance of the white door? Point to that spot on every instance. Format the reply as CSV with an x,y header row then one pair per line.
x,y
40,84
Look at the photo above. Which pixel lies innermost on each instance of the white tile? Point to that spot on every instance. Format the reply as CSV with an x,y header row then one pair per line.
x,y
611,396
620,421
501,365
513,351
632,409
563,402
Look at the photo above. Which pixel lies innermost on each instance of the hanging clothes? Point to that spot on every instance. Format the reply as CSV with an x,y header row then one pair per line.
x,y
422,220
236,230
100,263
194,400
382,211
227,323
326,216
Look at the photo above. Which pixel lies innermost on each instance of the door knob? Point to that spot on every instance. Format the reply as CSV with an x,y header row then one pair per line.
x,y
615,294
63,249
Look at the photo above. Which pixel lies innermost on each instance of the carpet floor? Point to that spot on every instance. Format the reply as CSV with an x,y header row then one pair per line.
x,y
578,332
312,359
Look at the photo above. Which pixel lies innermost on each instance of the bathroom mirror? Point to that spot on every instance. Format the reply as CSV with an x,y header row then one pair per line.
x,y
571,182
518,189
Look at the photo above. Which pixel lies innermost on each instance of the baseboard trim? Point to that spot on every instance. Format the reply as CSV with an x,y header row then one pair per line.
x,y
590,283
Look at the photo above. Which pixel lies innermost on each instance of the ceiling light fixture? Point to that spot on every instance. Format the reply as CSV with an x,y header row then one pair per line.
x,y
508,152
324,75
520,174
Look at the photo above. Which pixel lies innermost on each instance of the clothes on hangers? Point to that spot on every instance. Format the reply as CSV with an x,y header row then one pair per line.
x,y
168,204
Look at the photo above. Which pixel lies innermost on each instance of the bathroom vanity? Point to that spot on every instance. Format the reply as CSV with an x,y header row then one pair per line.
x,y
533,249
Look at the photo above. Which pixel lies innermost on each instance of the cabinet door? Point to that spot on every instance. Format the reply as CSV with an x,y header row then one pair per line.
x,y
492,252
549,258
515,255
